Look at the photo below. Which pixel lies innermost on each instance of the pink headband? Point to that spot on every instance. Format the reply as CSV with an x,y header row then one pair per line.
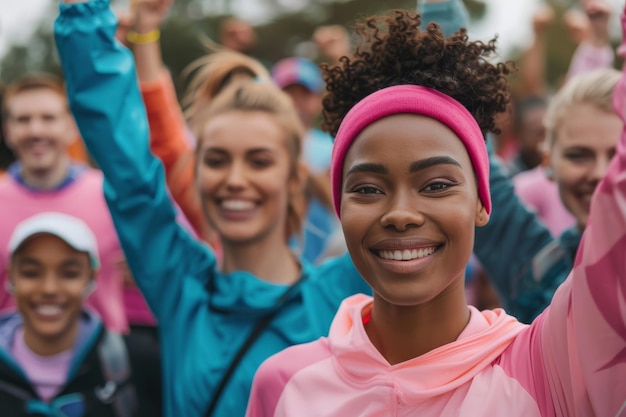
x,y
417,100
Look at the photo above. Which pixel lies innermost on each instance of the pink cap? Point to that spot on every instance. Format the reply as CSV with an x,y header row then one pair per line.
x,y
416,100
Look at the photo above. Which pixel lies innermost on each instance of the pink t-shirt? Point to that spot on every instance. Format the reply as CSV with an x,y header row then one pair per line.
x,y
47,374
541,195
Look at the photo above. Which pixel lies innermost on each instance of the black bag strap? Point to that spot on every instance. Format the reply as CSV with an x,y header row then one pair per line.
x,y
16,392
118,389
259,327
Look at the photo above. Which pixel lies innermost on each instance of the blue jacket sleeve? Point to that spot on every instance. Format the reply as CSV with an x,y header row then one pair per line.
x,y
106,103
450,15
507,245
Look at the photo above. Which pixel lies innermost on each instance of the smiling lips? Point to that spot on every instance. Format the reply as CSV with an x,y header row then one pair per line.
x,y
406,254
237,205
48,310
38,146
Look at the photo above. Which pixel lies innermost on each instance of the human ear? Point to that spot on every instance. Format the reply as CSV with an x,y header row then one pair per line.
x,y
482,217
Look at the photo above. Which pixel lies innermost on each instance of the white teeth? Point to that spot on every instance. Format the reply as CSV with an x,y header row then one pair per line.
x,y
237,205
406,254
49,310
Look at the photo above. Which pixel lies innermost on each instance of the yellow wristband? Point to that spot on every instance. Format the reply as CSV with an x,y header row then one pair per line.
x,y
143,38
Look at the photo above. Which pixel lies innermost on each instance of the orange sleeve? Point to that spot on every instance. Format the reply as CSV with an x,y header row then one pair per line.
x,y
168,142
78,152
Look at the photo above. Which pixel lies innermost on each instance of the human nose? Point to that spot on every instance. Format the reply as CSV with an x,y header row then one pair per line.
x,y
237,175
600,168
49,284
35,127
403,213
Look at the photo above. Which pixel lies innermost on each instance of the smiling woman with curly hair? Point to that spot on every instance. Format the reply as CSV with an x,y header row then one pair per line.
x,y
410,180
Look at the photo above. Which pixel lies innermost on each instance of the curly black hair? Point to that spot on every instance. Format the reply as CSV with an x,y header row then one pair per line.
x,y
394,51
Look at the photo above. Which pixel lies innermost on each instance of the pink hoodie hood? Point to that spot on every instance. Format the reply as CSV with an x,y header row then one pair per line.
x,y
441,370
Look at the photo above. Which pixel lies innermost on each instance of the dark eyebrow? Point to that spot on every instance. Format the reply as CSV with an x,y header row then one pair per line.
x,y
28,261
215,150
255,151
430,162
578,148
225,152
368,167
72,263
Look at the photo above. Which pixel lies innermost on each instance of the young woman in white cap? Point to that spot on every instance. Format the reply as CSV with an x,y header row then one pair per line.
x,y
56,357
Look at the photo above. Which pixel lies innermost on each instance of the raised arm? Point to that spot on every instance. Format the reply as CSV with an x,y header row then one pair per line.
x,y
533,60
583,332
169,137
594,50
105,100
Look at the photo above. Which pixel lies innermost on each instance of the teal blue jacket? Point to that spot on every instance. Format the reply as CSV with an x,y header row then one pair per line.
x,y
203,315
525,263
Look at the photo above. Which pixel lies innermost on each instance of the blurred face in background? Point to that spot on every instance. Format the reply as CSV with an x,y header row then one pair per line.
x,y
244,173
39,128
50,281
578,159
307,103
531,135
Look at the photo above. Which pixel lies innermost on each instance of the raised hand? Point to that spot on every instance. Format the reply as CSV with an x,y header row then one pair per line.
x,y
149,14
577,24
542,18
598,12
332,41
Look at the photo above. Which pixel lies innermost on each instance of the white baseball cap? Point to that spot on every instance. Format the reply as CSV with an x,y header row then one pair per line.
x,y
70,229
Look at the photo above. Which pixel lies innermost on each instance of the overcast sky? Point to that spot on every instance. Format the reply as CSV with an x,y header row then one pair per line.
x,y
508,18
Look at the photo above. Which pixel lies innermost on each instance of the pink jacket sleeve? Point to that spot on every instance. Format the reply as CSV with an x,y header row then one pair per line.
x,y
573,357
